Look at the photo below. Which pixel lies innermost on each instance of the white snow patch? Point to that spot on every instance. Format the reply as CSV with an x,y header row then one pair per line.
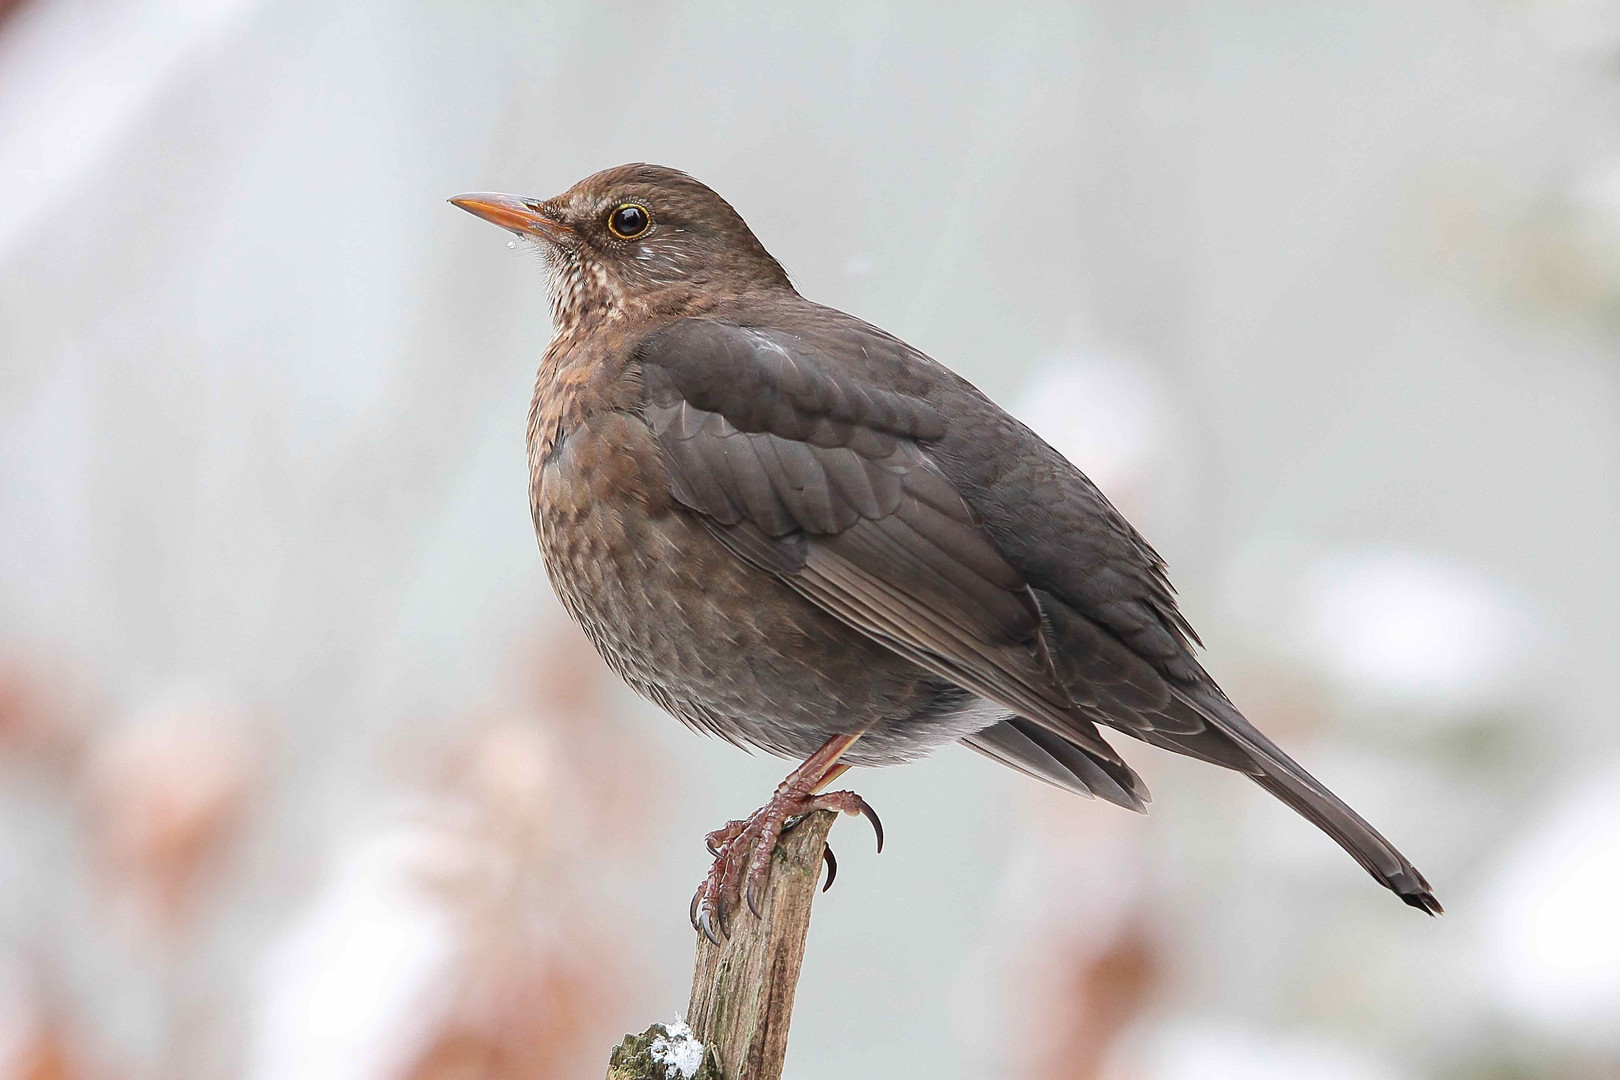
x,y
1549,944
1414,628
1207,1049
358,985
680,1052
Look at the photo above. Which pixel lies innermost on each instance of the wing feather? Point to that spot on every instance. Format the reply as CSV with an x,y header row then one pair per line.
x,y
827,484
928,538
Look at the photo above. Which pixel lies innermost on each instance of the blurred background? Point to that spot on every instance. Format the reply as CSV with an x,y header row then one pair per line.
x,y
304,774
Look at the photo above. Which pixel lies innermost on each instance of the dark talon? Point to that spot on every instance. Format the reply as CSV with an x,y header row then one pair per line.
x,y
877,826
743,851
722,915
692,911
753,901
707,927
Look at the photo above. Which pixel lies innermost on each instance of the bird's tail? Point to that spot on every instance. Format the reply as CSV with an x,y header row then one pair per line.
x,y
1296,787
1287,779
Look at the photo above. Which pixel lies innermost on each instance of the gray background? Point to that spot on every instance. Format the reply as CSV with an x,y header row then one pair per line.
x,y
262,396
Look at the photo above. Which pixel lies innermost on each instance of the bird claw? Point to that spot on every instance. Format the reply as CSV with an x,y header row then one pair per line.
x,y
722,913
870,814
707,927
751,894
852,804
716,841
742,856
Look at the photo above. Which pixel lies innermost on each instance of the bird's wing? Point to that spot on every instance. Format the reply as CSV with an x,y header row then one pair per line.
x,y
1119,644
1035,751
826,483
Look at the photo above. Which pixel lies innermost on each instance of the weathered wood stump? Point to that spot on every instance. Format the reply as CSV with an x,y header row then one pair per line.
x,y
742,990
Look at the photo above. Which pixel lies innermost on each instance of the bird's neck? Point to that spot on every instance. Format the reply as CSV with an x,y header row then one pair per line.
x,y
586,297
586,307
582,297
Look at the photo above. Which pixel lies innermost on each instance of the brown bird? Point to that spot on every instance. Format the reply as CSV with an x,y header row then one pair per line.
x,y
793,530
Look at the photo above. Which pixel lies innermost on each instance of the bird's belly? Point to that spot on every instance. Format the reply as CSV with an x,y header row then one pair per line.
x,y
720,644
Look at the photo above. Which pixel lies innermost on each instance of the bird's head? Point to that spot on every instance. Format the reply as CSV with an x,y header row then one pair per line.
x,y
634,239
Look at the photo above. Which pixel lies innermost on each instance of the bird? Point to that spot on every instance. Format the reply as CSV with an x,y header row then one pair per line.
x,y
794,531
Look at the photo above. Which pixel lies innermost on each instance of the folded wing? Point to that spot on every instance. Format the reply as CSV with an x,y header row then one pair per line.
x,y
826,484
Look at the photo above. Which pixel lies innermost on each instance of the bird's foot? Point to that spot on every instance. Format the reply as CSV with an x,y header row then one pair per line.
x,y
742,854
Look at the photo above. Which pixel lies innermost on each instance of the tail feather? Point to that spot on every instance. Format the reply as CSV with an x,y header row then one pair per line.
x,y
1032,749
1209,727
1287,779
1364,843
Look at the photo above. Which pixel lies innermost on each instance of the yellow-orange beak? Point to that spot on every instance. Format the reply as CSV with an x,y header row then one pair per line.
x,y
521,216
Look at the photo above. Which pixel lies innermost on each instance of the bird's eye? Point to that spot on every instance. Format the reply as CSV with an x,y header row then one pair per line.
x,y
629,221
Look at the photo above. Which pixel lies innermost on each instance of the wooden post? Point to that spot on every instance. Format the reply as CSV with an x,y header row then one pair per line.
x,y
742,989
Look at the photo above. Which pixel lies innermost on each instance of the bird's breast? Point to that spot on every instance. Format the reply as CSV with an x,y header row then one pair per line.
x,y
713,639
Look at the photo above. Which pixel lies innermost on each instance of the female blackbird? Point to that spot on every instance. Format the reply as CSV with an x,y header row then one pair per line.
x,y
793,530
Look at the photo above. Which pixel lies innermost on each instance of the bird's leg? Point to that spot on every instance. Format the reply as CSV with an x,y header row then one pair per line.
x,y
742,849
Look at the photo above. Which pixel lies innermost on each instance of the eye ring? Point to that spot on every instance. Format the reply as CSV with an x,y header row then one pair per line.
x,y
629,220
